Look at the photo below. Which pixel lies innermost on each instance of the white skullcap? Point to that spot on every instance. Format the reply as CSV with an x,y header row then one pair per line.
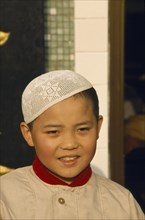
x,y
48,89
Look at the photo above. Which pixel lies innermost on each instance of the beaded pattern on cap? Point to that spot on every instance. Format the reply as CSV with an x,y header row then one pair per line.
x,y
49,89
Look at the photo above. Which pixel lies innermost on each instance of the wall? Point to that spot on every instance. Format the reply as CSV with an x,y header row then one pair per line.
x,y
91,60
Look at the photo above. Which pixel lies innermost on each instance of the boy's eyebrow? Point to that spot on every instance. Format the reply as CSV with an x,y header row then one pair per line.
x,y
84,123
60,126
52,125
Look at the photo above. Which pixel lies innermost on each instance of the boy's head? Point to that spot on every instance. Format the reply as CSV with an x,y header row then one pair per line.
x,y
48,89
62,107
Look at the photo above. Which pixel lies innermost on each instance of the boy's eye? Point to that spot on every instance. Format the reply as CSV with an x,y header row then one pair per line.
x,y
83,129
53,132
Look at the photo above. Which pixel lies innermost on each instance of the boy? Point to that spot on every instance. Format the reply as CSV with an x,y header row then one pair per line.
x,y
62,122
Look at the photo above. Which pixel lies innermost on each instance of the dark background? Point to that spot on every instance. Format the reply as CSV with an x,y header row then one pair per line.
x,y
134,91
21,59
135,46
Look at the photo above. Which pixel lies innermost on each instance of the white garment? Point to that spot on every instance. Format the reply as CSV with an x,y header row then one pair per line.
x,y
25,196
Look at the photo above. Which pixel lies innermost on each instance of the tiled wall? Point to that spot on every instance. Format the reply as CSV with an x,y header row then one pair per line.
x,y
59,34
91,60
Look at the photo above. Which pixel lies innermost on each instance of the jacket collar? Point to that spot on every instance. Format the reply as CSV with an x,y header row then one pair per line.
x,y
45,175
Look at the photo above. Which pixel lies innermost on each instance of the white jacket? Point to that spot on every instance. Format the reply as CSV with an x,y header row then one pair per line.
x,y
25,196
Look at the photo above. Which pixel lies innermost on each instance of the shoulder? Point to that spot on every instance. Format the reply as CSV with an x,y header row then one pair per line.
x,y
14,180
107,185
15,174
114,195
106,182
111,191
17,195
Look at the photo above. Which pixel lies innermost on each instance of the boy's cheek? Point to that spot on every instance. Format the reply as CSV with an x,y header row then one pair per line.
x,y
46,148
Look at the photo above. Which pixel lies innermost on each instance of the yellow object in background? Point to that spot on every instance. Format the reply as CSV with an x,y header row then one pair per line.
x,y
4,169
135,127
4,36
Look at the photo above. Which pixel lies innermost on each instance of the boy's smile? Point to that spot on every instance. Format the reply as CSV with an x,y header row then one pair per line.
x,y
65,137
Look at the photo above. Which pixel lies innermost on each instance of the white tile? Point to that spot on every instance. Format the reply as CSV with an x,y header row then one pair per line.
x,y
90,9
94,66
91,35
91,60
103,95
100,162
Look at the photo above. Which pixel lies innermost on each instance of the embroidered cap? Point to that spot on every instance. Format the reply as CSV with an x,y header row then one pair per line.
x,y
48,89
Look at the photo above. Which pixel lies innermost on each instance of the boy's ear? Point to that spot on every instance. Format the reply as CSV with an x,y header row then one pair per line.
x,y
26,134
100,121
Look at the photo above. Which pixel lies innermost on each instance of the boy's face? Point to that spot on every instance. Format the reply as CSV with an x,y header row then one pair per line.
x,y
65,137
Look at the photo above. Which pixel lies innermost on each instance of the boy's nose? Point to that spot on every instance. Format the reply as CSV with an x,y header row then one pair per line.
x,y
69,142
69,146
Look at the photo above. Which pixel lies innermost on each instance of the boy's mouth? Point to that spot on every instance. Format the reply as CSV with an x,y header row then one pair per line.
x,y
68,158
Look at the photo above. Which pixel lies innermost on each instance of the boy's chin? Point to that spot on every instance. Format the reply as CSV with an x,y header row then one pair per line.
x,y
68,179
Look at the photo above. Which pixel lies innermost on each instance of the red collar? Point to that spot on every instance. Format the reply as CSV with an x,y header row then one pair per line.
x,y
42,172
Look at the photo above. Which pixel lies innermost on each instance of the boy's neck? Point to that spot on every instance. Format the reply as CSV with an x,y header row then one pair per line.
x,y
45,175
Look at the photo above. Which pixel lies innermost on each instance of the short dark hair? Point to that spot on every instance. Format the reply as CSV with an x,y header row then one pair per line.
x,y
92,95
